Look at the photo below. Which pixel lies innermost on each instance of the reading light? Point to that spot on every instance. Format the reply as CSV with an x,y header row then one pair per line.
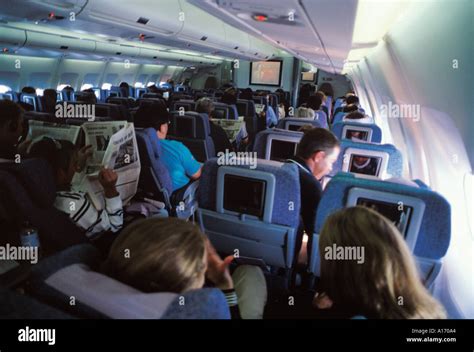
x,y
260,17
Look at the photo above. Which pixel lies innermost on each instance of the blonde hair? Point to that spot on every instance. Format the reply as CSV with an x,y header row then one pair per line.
x,y
386,285
305,112
158,255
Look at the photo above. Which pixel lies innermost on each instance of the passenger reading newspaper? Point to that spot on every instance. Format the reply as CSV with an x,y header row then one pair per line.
x,y
114,147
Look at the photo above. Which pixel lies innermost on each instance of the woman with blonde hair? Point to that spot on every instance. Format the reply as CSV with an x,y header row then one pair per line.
x,y
172,255
304,112
384,283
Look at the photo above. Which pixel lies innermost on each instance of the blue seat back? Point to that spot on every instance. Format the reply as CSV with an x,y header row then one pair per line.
x,y
187,105
264,140
429,244
33,100
294,123
270,237
10,95
74,272
374,131
28,193
193,130
115,92
322,118
394,162
225,111
155,180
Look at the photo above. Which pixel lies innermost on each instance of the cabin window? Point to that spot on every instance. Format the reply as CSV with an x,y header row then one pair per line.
x,y
111,78
9,79
69,79
62,86
106,86
40,80
39,92
139,85
86,86
91,79
4,89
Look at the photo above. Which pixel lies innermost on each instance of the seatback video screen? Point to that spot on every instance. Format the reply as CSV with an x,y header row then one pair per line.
x,y
365,165
282,150
244,195
397,213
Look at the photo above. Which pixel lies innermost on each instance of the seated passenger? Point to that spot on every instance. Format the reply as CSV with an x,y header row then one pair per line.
x,y
179,161
350,108
65,160
28,90
87,96
352,99
314,102
382,282
218,135
11,131
357,116
172,255
304,112
315,155
271,119
49,100
125,89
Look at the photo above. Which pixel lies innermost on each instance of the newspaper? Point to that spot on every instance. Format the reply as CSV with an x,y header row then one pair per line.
x,y
114,146
231,127
39,129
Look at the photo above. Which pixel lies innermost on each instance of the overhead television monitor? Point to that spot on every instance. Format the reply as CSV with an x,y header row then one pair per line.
x,y
365,163
281,148
405,212
266,73
308,76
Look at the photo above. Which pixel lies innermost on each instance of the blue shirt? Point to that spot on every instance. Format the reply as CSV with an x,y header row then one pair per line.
x,y
271,117
179,161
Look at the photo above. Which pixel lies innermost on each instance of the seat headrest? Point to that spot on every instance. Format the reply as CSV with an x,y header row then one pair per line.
x,y
202,123
282,123
338,129
119,301
261,139
435,230
286,202
37,178
395,158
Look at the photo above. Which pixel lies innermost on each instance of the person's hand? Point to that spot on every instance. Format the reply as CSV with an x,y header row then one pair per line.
x,y
322,301
23,146
84,153
218,269
108,180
